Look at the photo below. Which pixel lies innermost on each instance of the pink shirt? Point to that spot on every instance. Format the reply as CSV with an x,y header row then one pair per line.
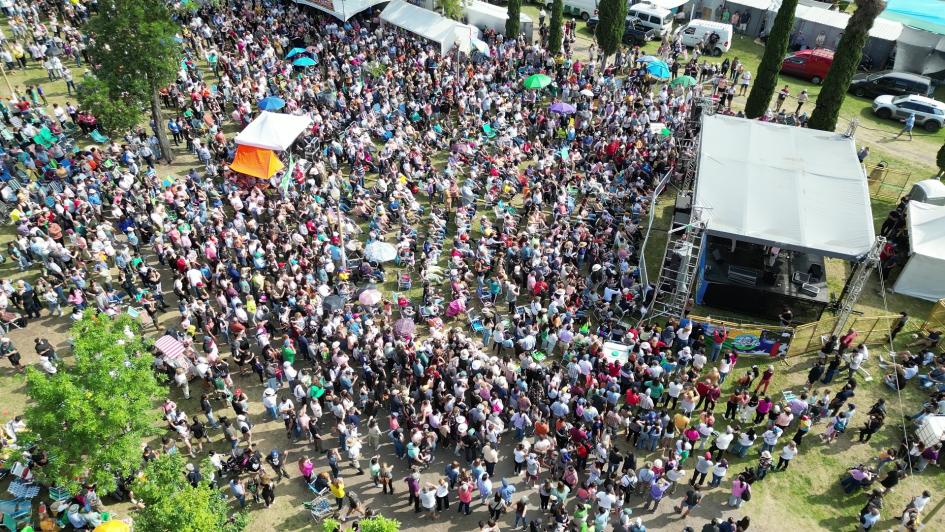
x,y
465,493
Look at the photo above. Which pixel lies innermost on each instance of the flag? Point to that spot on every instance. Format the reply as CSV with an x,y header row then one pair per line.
x,y
287,176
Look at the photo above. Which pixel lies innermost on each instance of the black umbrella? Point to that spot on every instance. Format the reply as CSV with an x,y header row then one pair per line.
x,y
333,303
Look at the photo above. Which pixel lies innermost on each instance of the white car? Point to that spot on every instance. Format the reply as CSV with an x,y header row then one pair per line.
x,y
929,113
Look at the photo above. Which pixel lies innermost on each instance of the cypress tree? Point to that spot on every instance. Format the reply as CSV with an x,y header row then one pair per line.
x,y
554,29
766,79
612,15
512,24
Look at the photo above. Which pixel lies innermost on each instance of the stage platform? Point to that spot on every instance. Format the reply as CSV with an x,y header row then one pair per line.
x,y
746,280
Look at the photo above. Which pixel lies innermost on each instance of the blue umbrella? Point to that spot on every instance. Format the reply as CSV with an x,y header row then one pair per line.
x,y
658,69
271,103
294,52
648,59
304,62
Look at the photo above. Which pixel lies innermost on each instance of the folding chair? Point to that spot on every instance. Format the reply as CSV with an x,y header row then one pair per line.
x,y
99,137
489,130
59,494
14,523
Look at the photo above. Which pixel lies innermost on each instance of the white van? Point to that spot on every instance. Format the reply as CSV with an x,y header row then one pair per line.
x,y
652,16
716,34
576,8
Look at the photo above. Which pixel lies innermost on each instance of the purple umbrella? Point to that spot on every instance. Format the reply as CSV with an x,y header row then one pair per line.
x,y
562,108
404,327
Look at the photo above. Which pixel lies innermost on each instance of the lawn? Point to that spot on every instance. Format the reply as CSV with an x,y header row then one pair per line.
x,y
806,497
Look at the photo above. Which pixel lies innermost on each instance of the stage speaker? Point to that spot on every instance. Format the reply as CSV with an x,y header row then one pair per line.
x,y
816,272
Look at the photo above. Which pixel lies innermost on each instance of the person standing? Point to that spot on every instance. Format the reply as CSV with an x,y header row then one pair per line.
x,y
465,495
690,501
899,325
782,96
337,488
907,126
413,491
428,500
802,98
788,452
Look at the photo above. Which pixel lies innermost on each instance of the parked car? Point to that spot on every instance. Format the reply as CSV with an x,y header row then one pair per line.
x,y
576,8
929,113
699,32
635,32
889,82
810,64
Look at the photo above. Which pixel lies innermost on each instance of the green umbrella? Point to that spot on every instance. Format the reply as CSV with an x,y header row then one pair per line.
x,y
685,81
537,81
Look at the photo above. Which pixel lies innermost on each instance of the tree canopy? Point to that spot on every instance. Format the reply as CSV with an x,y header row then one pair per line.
x,y
612,16
513,23
555,28
92,415
134,54
766,79
845,62
172,503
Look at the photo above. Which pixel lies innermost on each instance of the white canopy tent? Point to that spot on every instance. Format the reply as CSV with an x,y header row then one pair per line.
x,y
924,275
429,25
785,186
273,131
341,9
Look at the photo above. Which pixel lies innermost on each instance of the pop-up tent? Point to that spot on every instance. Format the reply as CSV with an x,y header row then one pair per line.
x,y
924,275
341,9
256,162
273,131
430,25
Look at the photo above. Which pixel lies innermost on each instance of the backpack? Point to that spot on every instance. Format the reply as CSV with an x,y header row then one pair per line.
x,y
746,495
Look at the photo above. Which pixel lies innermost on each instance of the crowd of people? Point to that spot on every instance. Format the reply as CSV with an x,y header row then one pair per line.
x,y
517,233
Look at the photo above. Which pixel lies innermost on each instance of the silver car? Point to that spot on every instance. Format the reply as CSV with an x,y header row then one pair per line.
x,y
929,113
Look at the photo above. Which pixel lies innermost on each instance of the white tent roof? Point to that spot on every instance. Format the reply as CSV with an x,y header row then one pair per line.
x,y
273,131
665,4
924,274
798,188
429,25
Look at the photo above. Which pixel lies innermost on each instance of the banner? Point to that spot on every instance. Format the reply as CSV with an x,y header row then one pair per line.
x,y
748,339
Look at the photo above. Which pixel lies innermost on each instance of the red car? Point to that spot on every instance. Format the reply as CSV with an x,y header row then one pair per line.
x,y
811,65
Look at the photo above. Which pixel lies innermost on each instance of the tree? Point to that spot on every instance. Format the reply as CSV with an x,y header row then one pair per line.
x,y
766,79
513,23
452,8
555,33
134,54
113,114
172,503
379,523
612,22
91,416
845,62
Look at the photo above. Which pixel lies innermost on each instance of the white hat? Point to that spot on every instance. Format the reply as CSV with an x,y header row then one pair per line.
x,y
596,268
269,392
189,467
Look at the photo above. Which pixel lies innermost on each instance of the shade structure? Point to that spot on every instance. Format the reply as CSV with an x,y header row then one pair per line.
x,y
658,69
430,25
795,188
273,131
480,45
562,108
685,81
924,274
380,252
304,62
256,162
271,103
370,297
404,327
333,303
537,81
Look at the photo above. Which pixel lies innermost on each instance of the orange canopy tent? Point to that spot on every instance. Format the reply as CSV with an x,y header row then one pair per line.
x,y
256,162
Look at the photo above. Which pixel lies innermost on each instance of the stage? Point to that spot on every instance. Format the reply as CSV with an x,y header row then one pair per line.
x,y
752,280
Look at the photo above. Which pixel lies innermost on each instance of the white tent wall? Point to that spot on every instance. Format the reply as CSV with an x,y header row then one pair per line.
x,y
488,16
758,11
340,9
924,275
922,52
273,131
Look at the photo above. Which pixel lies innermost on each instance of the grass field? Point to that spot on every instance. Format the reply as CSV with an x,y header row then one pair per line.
x,y
806,497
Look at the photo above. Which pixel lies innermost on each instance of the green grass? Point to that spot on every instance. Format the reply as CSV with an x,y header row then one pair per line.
x,y
806,497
